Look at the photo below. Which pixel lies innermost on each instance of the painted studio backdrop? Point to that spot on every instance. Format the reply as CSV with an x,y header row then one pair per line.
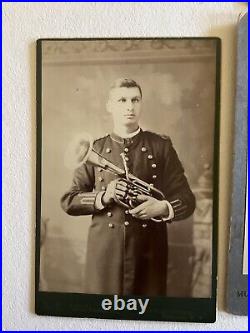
x,y
178,80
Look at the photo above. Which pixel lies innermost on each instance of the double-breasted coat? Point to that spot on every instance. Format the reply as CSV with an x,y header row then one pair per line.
x,y
125,255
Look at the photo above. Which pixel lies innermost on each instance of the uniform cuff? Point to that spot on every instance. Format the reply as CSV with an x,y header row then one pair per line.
x,y
170,214
98,201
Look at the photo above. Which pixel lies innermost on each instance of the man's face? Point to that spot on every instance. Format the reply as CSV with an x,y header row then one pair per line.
x,y
125,105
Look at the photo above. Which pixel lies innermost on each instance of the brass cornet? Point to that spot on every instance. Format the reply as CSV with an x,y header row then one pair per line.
x,y
135,186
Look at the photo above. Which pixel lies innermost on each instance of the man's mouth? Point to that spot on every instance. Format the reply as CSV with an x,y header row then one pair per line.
x,y
129,116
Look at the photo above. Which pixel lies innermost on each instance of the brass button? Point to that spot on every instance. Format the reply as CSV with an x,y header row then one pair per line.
x,y
144,225
103,188
128,141
126,150
126,159
150,157
153,165
111,225
154,176
126,211
109,214
151,185
126,223
100,179
144,149
108,150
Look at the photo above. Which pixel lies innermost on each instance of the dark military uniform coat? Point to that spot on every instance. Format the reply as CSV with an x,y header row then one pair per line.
x,y
128,256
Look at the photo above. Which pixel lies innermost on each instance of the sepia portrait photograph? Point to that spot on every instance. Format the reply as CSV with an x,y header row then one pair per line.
x,y
127,168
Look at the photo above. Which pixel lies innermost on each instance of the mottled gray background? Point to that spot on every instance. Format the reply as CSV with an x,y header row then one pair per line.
x,y
237,290
178,83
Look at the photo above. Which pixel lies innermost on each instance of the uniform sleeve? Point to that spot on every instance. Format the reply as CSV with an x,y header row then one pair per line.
x,y
80,199
176,187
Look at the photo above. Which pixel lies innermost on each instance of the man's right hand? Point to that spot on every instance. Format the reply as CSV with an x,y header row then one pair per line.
x,y
116,189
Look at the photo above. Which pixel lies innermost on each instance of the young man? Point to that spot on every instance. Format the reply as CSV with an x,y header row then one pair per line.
x,y
127,250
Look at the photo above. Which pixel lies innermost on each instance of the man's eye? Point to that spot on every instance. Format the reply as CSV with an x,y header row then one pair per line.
x,y
135,100
123,100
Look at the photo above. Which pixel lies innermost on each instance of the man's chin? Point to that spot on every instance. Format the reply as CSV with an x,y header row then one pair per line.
x,y
130,122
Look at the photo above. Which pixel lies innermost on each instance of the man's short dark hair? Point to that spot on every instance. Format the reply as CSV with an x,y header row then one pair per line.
x,y
127,83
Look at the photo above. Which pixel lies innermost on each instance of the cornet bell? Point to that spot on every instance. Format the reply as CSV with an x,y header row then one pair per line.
x,y
78,151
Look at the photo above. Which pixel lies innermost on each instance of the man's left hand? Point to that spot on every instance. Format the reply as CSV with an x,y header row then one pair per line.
x,y
149,208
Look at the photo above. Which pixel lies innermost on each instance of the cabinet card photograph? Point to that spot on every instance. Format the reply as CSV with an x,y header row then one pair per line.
x,y
127,178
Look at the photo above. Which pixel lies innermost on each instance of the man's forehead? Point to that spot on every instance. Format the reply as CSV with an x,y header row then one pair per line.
x,y
124,92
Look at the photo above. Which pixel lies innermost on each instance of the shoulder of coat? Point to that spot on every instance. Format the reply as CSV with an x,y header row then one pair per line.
x,y
100,142
101,139
157,136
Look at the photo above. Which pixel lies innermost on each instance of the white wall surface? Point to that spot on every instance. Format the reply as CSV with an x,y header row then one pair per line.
x,y
23,23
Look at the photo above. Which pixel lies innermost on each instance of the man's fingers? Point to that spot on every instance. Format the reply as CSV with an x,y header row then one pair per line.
x,y
120,193
141,213
121,186
141,216
122,182
144,217
143,198
138,208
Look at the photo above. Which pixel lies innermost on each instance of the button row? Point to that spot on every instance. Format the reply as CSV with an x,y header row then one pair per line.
x,y
126,223
101,179
109,214
143,149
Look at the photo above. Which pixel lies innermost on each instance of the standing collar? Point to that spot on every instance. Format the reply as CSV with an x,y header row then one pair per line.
x,y
128,139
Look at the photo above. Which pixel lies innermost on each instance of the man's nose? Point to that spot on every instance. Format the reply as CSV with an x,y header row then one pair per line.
x,y
130,105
